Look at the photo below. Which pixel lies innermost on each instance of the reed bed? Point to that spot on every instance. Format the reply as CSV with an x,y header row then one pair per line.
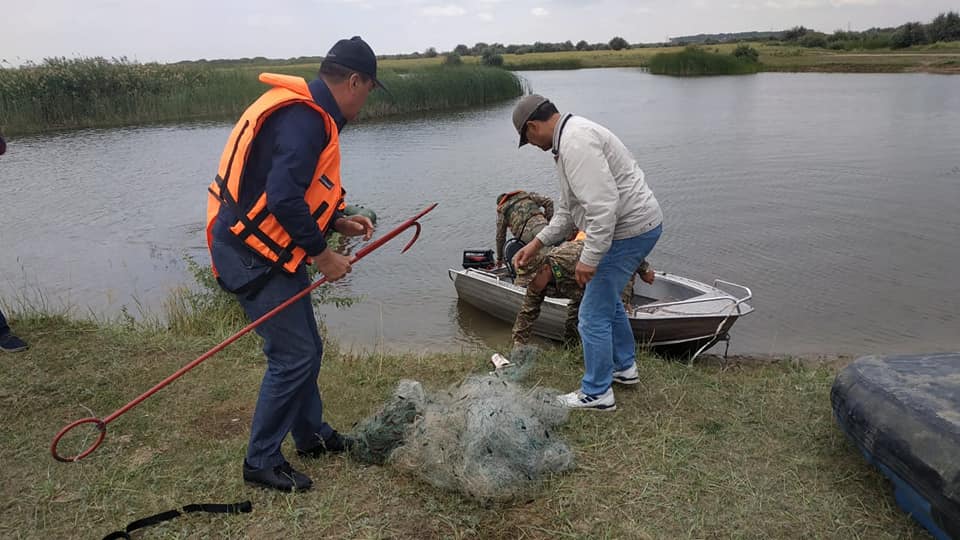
x,y
694,61
442,88
65,93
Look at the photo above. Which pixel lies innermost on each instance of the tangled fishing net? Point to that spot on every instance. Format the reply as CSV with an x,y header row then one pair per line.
x,y
488,438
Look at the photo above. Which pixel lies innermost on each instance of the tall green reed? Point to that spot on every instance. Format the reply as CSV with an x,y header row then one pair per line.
x,y
66,93
694,61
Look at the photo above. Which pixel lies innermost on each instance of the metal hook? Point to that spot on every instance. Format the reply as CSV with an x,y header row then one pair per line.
x,y
413,240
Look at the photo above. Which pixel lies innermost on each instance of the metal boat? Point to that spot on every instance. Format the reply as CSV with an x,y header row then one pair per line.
x,y
674,313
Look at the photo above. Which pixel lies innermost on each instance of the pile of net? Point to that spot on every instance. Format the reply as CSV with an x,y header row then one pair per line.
x,y
488,438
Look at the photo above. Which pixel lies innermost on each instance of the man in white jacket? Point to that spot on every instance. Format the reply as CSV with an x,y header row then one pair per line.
x,y
603,193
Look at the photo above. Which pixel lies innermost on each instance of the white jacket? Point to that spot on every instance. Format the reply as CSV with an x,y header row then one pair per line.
x,y
602,189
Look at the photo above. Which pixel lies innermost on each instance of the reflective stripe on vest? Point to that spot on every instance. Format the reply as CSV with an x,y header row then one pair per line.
x,y
258,228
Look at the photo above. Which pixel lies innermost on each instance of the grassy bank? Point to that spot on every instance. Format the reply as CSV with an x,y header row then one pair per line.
x,y
68,94
938,58
736,450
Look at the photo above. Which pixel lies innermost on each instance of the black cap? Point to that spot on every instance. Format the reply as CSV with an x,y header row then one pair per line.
x,y
355,54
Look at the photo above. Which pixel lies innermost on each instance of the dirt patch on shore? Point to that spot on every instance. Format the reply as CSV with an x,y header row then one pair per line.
x,y
225,420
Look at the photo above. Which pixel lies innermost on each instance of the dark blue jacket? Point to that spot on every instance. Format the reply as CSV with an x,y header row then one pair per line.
x,y
282,161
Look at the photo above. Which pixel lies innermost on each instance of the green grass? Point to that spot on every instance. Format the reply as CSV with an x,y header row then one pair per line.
x,y
773,57
694,61
518,63
718,450
67,94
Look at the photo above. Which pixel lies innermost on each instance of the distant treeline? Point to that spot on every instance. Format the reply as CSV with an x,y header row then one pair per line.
x,y
255,61
615,44
479,49
715,39
944,27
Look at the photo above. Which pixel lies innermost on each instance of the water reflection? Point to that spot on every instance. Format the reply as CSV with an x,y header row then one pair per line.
x,y
832,196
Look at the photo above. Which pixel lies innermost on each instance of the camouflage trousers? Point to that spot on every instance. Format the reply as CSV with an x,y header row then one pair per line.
x,y
562,260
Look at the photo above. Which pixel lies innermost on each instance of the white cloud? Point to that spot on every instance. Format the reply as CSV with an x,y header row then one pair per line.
x,y
485,17
810,4
642,10
269,21
539,12
449,10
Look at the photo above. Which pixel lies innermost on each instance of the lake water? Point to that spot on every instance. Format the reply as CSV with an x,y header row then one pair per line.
x,y
833,196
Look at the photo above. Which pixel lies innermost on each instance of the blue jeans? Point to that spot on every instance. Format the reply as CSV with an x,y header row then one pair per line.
x,y
289,400
608,343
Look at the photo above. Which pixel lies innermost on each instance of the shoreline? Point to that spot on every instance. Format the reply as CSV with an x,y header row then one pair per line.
x,y
713,357
733,449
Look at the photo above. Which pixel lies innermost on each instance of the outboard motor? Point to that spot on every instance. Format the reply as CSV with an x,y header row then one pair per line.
x,y
478,258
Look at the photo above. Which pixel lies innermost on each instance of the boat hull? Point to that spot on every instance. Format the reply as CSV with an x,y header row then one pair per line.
x,y
680,326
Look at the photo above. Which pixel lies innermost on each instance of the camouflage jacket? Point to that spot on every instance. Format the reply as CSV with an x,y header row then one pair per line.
x,y
522,214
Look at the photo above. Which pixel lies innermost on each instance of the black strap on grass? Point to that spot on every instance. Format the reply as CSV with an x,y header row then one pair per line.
x,y
235,508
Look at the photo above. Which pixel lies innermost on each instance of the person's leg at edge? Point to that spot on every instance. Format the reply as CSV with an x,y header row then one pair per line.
x,y
8,341
4,329
571,336
624,345
527,315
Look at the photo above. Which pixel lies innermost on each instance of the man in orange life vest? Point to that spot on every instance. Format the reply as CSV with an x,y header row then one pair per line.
x,y
276,194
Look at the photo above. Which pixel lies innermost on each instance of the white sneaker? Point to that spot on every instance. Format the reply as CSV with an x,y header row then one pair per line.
x,y
579,400
627,376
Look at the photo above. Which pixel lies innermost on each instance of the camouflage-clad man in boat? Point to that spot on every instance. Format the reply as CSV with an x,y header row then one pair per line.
x,y
553,273
525,214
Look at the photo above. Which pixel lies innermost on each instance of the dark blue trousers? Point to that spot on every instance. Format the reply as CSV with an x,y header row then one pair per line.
x,y
289,400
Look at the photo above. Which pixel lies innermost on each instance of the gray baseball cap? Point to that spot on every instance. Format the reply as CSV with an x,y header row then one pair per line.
x,y
523,111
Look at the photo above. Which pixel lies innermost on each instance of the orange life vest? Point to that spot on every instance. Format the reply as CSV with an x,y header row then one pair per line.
x,y
581,235
258,228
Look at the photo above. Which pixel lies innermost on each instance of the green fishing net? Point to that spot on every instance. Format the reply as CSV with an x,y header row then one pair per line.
x,y
488,437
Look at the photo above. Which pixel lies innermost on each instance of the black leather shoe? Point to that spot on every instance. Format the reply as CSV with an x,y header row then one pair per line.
x,y
334,444
282,477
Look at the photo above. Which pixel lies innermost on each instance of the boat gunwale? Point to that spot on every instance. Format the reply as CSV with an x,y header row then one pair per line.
x,y
708,293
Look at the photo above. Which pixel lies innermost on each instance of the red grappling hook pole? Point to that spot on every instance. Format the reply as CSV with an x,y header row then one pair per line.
x,y
102,424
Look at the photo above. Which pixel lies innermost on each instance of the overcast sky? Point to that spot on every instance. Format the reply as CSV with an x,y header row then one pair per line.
x,y
170,30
